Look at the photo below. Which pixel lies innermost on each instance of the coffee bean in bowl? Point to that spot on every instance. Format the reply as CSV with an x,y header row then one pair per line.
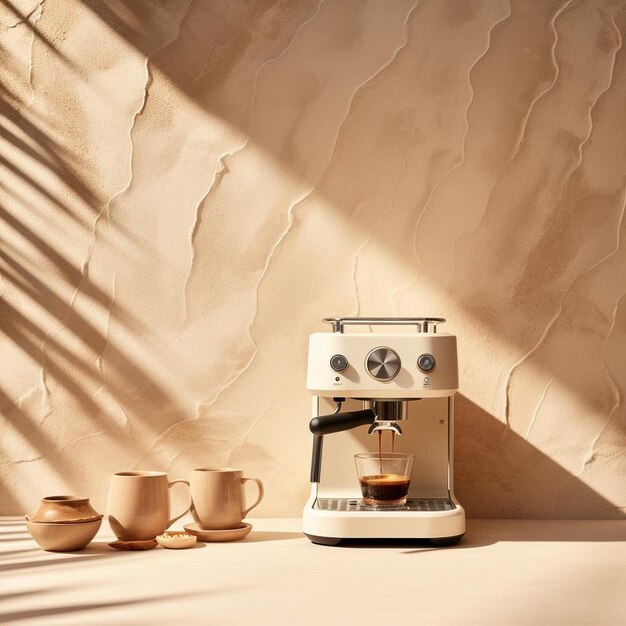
x,y
176,540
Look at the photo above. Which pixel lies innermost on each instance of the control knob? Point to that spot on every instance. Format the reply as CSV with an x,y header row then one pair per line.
x,y
338,362
383,363
426,362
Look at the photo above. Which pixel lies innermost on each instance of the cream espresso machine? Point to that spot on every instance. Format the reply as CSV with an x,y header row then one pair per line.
x,y
366,383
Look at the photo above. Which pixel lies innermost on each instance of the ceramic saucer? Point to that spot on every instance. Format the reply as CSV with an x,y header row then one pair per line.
x,y
146,544
228,534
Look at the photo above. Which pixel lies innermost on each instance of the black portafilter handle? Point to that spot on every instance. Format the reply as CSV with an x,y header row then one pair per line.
x,y
336,422
333,423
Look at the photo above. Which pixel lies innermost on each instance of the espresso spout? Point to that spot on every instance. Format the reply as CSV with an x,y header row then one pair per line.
x,y
379,426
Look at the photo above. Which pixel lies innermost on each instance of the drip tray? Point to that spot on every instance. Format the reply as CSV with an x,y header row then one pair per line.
x,y
412,504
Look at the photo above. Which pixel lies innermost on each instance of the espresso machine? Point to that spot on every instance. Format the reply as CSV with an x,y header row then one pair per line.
x,y
364,384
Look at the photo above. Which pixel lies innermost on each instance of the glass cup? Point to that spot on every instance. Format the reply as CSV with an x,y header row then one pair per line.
x,y
384,477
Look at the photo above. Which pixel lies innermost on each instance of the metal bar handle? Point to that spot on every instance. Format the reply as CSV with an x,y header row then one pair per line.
x,y
424,324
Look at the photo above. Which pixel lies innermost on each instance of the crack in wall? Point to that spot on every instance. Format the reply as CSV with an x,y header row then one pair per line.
x,y
549,88
107,327
46,398
290,226
32,18
27,18
218,176
602,93
573,170
221,169
379,220
556,316
525,121
252,426
591,454
268,479
455,166
177,424
105,211
294,205
536,411
52,451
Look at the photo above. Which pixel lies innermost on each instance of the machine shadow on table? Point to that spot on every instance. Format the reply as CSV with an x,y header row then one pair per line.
x,y
481,477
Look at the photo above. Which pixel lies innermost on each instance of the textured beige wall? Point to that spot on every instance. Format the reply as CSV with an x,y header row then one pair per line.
x,y
187,187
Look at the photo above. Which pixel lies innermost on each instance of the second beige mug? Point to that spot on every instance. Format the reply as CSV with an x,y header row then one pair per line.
x,y
139,504
217,497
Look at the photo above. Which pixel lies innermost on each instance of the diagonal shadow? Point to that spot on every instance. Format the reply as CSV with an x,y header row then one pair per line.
x,y
490,457
21,534
11,617
12,553
506,458
54,562
25,20
28,137
190,63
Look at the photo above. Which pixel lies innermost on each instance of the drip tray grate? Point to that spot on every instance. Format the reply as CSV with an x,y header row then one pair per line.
x,y
412,504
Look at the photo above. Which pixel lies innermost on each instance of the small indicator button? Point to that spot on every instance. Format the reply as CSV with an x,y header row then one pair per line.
x,y
338,362
426,362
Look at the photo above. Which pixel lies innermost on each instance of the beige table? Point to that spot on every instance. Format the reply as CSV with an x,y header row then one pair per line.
x,y
504,572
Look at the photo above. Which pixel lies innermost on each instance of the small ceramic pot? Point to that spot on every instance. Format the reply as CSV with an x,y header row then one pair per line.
x,y
65,510
67,537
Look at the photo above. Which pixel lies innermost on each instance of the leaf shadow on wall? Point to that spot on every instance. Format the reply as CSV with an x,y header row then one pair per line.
x,y
39,319
199,74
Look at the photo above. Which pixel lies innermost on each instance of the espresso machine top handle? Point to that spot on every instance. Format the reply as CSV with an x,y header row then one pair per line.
x,y
424,324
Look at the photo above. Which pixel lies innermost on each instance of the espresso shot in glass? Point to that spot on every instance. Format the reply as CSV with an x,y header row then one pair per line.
x,y
385,477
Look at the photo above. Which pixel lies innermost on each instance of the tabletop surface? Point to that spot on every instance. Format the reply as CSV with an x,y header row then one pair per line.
x,y
503,572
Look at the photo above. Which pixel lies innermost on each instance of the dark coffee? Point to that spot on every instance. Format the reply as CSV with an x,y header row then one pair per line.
x,y
384,488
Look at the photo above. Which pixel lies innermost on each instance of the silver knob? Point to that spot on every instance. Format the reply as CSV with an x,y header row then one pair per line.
x,y
426,362
383,363
339,363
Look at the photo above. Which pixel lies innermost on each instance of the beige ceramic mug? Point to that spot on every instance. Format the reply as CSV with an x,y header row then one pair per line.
x,y
217,497
139,504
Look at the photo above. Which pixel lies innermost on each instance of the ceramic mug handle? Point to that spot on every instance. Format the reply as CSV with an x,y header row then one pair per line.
x,y
169,486
261,492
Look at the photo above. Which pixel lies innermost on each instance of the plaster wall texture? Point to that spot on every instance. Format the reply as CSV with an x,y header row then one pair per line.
x,y
188,186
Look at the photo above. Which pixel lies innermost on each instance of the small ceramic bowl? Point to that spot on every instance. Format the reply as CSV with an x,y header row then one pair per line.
x,y
63,537
65,510
176,540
